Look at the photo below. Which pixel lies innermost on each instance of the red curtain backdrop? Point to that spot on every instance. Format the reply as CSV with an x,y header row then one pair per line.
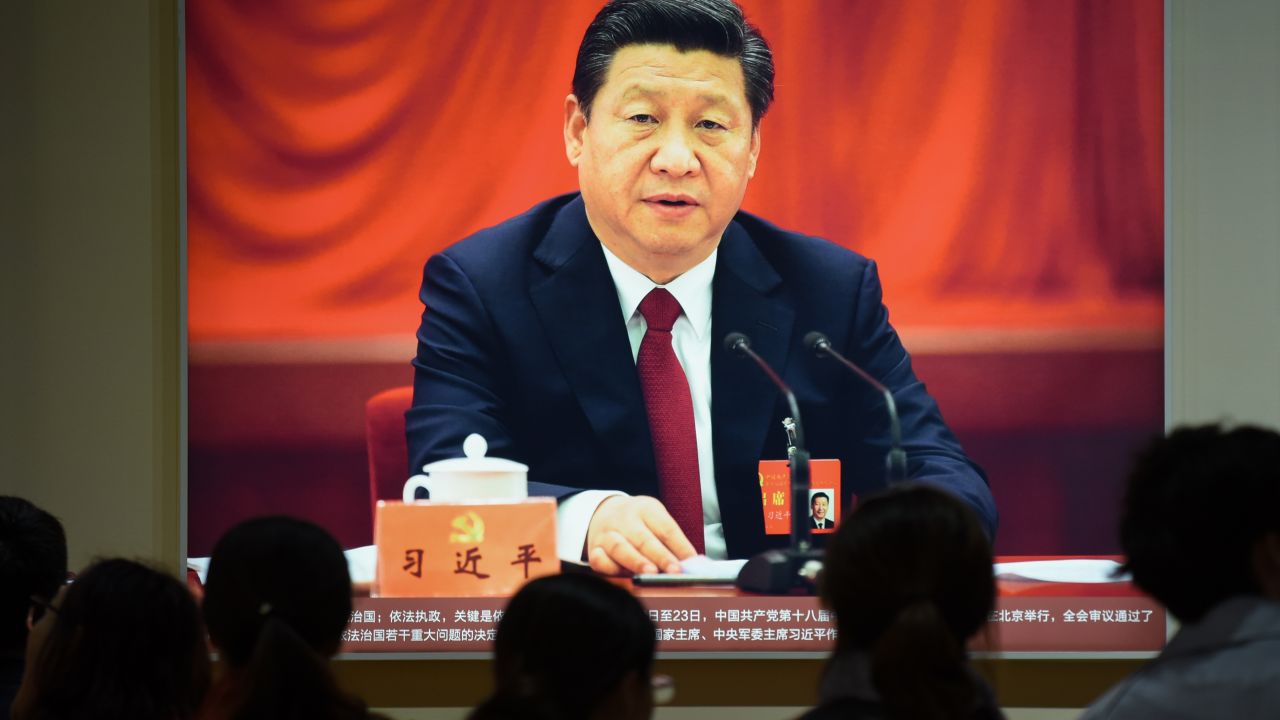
x,y
1001,159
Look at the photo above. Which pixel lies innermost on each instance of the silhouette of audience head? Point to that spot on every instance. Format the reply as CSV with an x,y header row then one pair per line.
x,y
909,576
33,563
123,641
573,647
1201,518
276,600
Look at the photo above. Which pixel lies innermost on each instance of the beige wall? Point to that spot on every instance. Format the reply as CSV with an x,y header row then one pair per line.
x,y
89,239
1223,210
89,422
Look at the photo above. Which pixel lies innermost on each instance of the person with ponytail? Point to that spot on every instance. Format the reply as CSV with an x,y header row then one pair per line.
x,y
276,600
573,647
123,641
909,577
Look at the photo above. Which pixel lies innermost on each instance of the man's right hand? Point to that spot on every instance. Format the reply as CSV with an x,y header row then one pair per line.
x,y
636,535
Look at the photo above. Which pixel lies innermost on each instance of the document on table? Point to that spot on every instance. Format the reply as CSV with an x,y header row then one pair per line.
x,y
697,570
362,564
1071,570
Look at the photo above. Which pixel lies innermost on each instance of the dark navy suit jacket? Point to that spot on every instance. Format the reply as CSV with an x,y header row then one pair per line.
x,y
523,341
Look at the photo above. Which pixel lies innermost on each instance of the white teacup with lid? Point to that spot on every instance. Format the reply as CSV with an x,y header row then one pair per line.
x,y
473,477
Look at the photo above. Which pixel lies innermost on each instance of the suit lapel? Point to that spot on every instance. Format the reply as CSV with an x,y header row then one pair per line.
x,y
577,304
746,299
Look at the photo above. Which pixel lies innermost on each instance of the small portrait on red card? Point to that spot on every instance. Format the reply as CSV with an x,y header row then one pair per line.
x,y
822,509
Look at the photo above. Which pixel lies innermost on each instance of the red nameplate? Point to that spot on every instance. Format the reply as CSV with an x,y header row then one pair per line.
x,y
477,549
824,494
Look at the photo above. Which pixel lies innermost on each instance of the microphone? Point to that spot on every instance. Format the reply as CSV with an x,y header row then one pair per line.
x,y
736,342
895,461
781,571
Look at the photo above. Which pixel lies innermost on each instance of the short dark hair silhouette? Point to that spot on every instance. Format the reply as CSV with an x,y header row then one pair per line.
x,y
1197,502
33,562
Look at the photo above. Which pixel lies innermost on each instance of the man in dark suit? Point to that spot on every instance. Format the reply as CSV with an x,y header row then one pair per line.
x,y
583,337
818,506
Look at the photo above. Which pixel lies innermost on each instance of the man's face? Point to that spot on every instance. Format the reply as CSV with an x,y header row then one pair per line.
x,y
819,508
664,162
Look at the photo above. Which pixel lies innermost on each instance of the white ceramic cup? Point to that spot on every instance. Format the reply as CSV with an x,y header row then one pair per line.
x,y
473,477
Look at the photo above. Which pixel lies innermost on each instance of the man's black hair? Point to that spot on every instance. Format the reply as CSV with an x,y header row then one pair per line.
x,y
716,26
1198,502
819,495
33,561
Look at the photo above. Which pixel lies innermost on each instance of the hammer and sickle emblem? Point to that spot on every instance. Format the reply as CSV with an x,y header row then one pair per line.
x,y
468,529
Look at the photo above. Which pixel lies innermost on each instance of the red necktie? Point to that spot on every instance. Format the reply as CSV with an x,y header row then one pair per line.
x,y
670,408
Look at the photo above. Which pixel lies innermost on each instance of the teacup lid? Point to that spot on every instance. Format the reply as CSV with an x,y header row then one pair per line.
x,y
474,448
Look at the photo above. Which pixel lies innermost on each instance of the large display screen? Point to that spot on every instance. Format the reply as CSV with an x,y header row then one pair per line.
x,y
1001,162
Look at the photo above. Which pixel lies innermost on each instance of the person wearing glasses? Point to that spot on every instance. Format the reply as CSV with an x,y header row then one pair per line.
x,y
122,641
33,564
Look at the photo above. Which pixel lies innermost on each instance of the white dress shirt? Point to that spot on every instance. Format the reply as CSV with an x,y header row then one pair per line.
x,y
691,340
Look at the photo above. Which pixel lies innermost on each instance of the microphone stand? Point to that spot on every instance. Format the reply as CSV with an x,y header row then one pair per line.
x,y
781,572
895,461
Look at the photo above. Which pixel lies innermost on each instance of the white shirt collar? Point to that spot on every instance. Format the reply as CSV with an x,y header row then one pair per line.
x,y
692,289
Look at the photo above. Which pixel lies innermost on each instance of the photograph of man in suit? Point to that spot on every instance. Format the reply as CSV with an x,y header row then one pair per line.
x,y
583,337
819,503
